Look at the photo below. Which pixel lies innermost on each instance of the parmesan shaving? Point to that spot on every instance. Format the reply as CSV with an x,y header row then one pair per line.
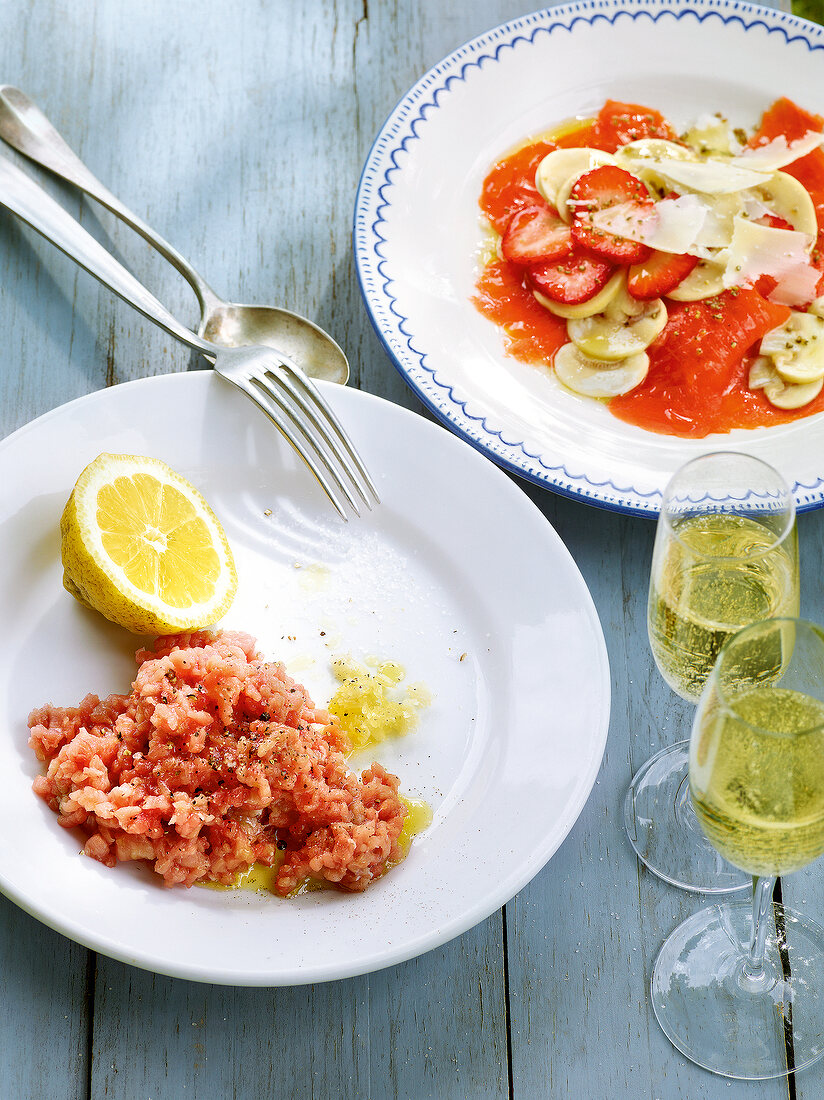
x,y
716,232
777,153
710,177
755,207
671,225
757,250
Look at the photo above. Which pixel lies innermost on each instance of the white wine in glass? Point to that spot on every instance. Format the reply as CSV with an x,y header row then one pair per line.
x,y
713,574
737,988
725,555
761,801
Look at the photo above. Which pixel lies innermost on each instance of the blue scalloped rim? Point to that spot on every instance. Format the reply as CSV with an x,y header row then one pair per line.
x,y
402,127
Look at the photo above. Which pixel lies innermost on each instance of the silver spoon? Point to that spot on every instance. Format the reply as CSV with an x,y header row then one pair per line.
x,y
24,126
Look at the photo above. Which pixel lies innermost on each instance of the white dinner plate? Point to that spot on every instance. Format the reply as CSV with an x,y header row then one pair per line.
x,y
417,227
456,575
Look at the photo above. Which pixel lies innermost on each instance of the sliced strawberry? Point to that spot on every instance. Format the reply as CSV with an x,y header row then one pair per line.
x,y
659,274
597,190
536,233
606,186
575,278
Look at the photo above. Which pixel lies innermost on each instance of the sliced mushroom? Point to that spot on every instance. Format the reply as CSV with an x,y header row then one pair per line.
x,y
623,305
705,280
791,201
596,378
784,395
711,136
614,338
797,348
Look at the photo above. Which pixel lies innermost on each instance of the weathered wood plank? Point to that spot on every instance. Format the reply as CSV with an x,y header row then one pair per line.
x,y
430,1028
45,1028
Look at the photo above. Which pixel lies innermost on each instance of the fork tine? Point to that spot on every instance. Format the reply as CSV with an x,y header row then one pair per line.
x,y
315,406
280,412
320,471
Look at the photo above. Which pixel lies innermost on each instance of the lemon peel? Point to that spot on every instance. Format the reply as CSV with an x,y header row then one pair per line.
x,y
140,545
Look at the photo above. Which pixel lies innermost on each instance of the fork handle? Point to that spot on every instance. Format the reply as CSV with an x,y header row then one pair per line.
x,y
24,126
30,202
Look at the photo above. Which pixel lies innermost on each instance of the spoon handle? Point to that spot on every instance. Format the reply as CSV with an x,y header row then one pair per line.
x,y
30,202
24,126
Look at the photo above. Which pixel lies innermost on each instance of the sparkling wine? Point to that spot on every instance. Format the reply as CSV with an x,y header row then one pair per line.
x,y
759,795
720,573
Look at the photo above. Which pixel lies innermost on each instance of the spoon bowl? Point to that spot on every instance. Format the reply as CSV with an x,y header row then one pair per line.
x,y
25,128
232,325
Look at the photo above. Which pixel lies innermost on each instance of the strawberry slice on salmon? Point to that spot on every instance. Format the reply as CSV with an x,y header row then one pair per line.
x,y
536,233
660,273
599,189
574,279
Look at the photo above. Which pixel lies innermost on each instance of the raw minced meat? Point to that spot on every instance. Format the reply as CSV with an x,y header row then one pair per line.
x,y
214,761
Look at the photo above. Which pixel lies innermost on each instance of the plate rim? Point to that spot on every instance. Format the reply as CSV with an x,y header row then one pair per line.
x,y
505,889
400,127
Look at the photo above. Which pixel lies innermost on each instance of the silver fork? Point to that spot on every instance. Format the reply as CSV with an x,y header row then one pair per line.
x,y
274,382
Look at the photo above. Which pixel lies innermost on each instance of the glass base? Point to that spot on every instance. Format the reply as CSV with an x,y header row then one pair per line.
x,y
732,1024
664,831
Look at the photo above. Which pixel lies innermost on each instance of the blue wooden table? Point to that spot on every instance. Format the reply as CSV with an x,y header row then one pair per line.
x,y
239,130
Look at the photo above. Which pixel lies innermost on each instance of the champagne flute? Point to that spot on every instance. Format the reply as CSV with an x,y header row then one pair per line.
x,y
725,556
738,989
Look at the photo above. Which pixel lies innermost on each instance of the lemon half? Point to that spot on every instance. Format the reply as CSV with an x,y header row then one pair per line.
x,y
141,546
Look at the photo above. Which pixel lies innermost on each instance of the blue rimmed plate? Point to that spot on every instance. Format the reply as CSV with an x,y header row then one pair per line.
x,y
417,230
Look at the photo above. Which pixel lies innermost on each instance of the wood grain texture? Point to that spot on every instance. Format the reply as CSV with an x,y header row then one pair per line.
x,y
430,1028
239,131
48,984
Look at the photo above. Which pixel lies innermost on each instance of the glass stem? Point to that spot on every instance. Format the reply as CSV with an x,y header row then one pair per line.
x,y
762,892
